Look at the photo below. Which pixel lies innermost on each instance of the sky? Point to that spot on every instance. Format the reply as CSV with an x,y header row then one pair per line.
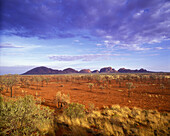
x,y
84,34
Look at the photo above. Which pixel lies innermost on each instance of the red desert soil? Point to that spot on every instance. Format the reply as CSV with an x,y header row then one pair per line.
x,y
144,95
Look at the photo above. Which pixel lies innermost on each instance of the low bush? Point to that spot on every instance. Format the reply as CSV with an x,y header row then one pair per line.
x,y
24,117
75,110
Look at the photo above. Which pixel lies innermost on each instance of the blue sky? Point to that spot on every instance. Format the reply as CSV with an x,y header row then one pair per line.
x,y
84,34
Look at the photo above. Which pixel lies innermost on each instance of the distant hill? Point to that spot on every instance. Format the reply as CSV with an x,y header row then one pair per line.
x,y
69,70
123,70
85,71
42,71
95,71
107,70
45,71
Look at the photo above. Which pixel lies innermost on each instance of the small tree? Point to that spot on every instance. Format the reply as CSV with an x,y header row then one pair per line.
x,y
37,80
1,84
128,77
42,79
98,79
129,86
22,81
119,81
107,78
47,80
6,84
31,81
153,78
110,80
1,89
10,82
137,78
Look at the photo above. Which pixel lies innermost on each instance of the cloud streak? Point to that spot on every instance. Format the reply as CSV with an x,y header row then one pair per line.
x,y
86,57
22,48
9,45
119,21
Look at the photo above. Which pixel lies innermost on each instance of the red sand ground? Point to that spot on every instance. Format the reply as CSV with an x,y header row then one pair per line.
x,y
146,96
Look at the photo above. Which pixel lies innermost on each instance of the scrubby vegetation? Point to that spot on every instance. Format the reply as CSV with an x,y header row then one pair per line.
x,y
23,117
27,115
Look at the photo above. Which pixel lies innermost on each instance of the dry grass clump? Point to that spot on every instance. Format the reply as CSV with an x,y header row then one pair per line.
x,y
61,99
119,121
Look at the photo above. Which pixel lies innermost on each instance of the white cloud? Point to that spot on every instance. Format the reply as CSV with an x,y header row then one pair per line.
x,y
159,48
76,41
133,47
106,41
98,44
108,37
116,42
138,13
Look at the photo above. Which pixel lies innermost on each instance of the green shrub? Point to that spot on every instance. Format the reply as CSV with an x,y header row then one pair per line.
x,y
129,85
47,80
75,110
101,87
1,89
90,85
1,101
162,86
1,84
37,80
61,85
24,117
